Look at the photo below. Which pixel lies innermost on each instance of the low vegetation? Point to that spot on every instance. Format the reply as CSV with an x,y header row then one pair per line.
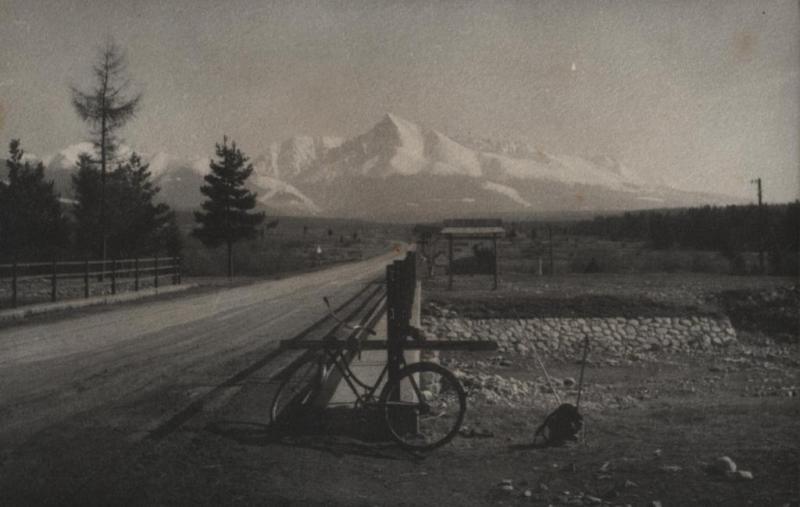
x,y
288,244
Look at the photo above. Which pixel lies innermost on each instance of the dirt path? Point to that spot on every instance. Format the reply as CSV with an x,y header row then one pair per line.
x,y
54,370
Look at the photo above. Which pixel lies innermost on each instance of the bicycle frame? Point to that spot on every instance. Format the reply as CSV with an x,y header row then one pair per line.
x,y
340,362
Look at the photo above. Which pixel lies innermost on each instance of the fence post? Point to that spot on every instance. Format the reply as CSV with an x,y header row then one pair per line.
x,y
393,346
53,281
113,276
14,284
136,274
155,272
86,279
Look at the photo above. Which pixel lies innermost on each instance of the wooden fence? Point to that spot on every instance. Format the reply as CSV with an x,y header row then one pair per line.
x,y
23,283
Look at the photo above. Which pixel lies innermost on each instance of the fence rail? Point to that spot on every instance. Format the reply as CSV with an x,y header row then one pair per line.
x,y
24,283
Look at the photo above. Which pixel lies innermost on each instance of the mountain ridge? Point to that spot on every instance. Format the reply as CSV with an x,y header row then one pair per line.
x,y
398,168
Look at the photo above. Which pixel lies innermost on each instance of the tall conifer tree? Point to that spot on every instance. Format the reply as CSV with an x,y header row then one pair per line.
x,y
106,107
226,217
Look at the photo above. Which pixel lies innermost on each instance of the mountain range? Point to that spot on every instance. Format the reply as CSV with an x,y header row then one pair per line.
x,y
401,171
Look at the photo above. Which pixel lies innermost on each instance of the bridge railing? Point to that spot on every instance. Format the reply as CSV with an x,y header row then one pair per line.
x,y
24,283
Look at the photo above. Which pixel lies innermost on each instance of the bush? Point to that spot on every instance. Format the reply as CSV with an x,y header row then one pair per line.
x,y
597,259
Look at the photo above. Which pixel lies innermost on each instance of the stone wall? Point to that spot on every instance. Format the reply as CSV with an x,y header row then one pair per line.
x,y
613,335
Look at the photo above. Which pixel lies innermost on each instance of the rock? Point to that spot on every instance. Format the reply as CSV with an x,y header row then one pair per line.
x,y
724,465
528,493
655,503
506,485
592,499
745,475
671,468
568,382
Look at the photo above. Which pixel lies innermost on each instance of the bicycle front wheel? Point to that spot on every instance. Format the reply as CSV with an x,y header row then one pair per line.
x,y
295,394
424,407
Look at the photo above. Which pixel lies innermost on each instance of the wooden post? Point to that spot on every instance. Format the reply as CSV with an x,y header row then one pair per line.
x,y
113,276
14,284
494,269
450,262
392,320
53,281
86,279
155,272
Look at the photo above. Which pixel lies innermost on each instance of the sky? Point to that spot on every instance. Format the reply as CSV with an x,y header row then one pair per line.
x,y
702,95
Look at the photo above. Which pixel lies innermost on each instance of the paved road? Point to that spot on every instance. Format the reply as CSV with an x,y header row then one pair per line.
x,y
102,363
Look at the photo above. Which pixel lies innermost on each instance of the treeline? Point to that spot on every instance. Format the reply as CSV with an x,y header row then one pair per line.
x,y
37,224
730,230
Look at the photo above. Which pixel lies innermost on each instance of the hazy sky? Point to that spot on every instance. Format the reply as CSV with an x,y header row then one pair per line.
x,y
701,94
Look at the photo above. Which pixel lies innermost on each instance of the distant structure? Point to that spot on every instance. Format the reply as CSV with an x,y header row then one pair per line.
x,y
473,230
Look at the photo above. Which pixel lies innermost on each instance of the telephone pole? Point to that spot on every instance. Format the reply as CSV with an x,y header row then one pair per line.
x,y
761,226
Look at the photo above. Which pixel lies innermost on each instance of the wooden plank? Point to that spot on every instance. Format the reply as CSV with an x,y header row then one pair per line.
x,y
470,345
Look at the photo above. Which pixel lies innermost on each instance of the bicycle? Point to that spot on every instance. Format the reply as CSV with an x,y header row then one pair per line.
x,y
422,408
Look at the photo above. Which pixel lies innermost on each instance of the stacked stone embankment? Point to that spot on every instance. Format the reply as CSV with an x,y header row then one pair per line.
x,y
565,335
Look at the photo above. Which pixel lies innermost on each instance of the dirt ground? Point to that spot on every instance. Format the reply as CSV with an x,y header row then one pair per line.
x,y
655,424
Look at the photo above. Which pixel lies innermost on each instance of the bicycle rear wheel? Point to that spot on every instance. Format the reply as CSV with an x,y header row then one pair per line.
x,y
295,394
424,407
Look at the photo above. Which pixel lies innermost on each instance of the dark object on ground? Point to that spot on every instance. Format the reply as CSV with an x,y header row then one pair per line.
x,y
565,422
560,426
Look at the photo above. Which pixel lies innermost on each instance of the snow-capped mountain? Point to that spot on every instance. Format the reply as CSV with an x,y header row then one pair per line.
x,y
399,170
180,180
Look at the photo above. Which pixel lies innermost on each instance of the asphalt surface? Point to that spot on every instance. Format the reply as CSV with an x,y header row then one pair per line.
x,y
145,369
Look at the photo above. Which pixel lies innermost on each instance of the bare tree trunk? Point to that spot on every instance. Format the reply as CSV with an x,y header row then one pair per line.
x,y
103,196
103,135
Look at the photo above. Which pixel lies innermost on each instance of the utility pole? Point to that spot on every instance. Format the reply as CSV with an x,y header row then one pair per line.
x,y
761,226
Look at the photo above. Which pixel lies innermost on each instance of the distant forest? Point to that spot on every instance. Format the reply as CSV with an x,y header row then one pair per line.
x,y
730,230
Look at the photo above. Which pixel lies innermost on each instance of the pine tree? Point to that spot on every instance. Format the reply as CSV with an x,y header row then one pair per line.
x,y
107,107
31,221
225,218
138,225
139,222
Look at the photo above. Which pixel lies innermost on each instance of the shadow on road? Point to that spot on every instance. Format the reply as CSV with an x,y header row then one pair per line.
x,y
327,431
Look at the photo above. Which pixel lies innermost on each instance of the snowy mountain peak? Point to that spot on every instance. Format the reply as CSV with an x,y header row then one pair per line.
x,y
377,174
67,158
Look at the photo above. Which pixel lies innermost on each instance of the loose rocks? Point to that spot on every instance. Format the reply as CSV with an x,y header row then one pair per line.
x,y
616,336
